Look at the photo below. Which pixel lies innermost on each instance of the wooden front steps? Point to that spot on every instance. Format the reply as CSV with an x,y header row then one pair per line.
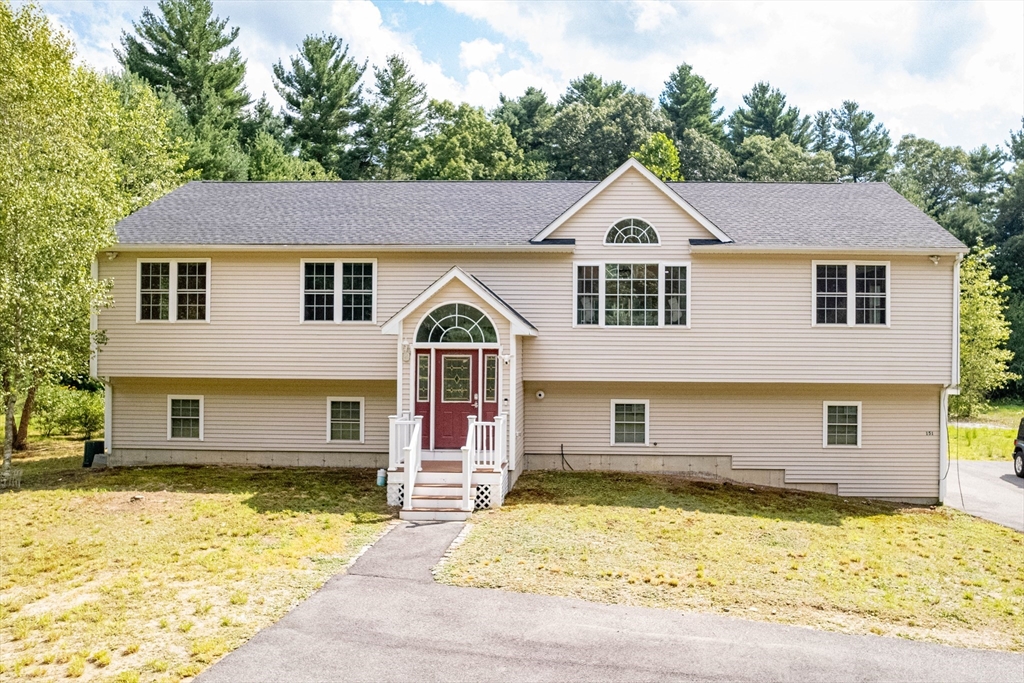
x,y
437,495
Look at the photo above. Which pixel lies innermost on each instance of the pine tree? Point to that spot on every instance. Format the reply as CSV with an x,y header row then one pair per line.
x,y
395,121
529,117
861,150
323,101
181,50
689,103
823,134
766,114
591,89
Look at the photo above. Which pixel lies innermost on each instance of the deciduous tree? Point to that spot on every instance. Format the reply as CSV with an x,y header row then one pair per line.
x,y
701,158
660,156
765,159
984,331
463,144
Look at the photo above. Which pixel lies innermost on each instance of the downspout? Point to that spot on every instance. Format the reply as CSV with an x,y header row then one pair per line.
x,y
951,389
94,362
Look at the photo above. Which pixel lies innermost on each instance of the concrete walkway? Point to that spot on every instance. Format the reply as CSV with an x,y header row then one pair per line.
x,y
990,490
386,620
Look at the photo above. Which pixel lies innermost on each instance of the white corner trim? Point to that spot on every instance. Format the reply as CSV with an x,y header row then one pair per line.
x,y
647,421
824,423
362,418
202,416
394,324
654,180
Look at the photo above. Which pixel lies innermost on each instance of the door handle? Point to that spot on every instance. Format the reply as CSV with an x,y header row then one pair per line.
x,y
476,400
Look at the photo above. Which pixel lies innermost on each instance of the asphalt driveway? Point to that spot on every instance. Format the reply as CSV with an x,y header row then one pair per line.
x,y
386,620
987,489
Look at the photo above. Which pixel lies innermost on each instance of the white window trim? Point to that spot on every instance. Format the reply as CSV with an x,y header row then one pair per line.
x,y
824,423
202,416
601,265
362,418
172,313
647,422
851,293
337,291
606,243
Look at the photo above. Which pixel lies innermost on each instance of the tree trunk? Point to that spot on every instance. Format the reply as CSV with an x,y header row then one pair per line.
x,y
9,399
21,438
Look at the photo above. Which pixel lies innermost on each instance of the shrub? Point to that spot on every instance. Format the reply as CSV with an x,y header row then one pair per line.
x,y
63,410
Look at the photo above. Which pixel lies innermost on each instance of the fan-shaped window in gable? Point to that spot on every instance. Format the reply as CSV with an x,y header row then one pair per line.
x,y
456,324
632,231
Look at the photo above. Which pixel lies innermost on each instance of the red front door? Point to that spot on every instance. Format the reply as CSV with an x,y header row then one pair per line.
x,y
456,396
455,383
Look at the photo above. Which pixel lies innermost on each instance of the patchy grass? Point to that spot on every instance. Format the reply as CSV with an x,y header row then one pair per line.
x,y
1005,413
981,443
142,574
784,556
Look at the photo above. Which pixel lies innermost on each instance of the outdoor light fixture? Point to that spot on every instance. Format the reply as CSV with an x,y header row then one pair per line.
x,y
406,352
111,255
935,259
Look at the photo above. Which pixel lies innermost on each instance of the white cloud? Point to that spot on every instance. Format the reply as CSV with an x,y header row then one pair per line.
x,y
651,14
479,53
946,71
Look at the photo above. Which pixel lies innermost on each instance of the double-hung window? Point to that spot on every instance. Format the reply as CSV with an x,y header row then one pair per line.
x,y
632,294
345,419
630,422
185,418
851,294
339,291
173,290
841,424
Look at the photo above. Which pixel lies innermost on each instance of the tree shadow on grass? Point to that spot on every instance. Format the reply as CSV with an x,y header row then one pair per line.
x,y
270,490
627,489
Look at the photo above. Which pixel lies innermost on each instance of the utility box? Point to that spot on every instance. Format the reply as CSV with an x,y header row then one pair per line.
x,y
92,449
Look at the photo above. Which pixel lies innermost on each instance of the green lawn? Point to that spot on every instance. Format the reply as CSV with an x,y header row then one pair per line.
x,y
784,556
981,443
154,573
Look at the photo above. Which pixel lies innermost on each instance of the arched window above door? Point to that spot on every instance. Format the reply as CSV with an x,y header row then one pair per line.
x,y
456,324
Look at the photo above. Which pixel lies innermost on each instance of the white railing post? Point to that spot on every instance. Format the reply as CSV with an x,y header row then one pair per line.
x,y
468,460
393,445
501,441
412,460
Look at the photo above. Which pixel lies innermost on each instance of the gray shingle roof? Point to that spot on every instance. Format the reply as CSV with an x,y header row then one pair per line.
x,y
832,215
377,213
484,213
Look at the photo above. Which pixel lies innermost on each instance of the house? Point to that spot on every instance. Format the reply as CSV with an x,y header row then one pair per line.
x,y
794,335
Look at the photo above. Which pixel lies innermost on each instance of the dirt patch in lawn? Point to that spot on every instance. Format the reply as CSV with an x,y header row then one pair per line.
x,y
154,573
790,557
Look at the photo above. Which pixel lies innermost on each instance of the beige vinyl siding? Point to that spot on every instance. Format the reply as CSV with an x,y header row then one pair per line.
x,y
250,415
750,322
767,427
759,426
750,315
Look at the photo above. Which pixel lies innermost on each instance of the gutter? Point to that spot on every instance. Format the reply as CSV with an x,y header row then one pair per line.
x,y
733,249
559,247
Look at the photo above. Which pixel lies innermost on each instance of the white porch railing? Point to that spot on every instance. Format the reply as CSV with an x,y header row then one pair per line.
x,y
400,434
488,443
412,460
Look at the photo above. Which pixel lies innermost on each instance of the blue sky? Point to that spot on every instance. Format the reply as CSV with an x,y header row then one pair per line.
x,y
950,71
